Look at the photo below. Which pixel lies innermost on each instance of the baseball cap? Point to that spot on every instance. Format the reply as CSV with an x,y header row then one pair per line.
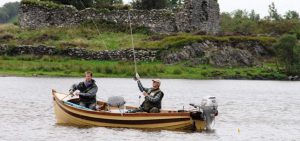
x,y
156,80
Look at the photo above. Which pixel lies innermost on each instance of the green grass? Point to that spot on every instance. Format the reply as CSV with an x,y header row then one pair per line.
x,y
181,39
77,36
67,67
111,37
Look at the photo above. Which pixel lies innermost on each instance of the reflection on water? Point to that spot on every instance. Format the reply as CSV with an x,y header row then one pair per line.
x,y
262,110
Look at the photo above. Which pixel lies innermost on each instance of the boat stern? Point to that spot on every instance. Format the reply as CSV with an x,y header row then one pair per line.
x,y
204,114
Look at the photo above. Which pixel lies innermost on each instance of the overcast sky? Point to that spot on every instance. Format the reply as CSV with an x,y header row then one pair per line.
x,y
260,6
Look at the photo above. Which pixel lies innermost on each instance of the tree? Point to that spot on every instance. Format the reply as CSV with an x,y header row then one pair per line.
x,y
239,22
273,14
154,4
103,3
226,22
8,11
291,15
108,2
117,1
250,23
240,14
3,16
174,3
288,52
136,4
253,16
149,4
11,8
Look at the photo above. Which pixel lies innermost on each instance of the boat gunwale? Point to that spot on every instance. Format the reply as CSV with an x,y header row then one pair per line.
x,y
60,102
124,121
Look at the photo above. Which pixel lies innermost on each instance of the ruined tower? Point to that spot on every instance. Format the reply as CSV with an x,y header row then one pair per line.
x,y
199,15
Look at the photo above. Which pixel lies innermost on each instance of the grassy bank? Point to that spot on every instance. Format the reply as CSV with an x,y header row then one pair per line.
x,y
67,67
111,37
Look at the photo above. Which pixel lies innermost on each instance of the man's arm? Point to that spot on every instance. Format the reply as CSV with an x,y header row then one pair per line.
x,y
155,98
141,86
73,88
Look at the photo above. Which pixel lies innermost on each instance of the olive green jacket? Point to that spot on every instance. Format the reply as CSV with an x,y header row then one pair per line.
x,y
153,99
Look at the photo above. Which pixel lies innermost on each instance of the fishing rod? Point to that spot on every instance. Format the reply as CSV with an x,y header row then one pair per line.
x,y
132,40
132,44
137,76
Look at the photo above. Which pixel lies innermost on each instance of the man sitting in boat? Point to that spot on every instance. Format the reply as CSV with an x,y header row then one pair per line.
x,y
86,90
153,97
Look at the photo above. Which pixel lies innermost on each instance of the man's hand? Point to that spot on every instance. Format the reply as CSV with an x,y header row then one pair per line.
x,y
76,93
71,91
136,77
145,94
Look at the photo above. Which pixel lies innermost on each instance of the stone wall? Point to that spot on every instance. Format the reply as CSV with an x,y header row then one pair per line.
x,y
196,15
125,55
207,52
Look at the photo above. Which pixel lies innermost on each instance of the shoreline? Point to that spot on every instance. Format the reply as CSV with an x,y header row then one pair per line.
x,y
66,76
31,66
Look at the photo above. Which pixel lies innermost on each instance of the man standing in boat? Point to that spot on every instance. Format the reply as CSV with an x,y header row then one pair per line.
x,y
86,90
153,97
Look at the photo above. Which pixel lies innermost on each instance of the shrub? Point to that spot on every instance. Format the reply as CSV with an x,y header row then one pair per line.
x,y
108,70
288,53
149,4
47,3
79,4
177,71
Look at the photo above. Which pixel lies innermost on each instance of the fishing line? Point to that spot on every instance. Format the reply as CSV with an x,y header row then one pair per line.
x,y
132,40
132,43
96,27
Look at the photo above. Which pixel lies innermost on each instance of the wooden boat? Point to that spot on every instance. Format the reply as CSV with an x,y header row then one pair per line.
x,y
68,113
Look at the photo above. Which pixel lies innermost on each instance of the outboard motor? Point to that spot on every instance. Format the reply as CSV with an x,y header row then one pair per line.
x,y
207,110
209,106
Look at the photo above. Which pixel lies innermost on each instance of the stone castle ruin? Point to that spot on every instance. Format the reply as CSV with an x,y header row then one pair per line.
x,y
197,16
194,16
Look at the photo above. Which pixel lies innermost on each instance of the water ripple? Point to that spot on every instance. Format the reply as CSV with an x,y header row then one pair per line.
x,y
260,110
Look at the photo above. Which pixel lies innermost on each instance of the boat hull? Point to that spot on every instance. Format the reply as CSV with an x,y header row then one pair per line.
x,y
170,120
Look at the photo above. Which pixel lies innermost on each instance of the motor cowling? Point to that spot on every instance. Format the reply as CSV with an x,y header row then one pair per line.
x,y
209,106
207,110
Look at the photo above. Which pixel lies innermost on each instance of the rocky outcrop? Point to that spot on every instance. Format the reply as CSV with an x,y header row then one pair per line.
x,y
3,49
229,56
196,15
186,53
217,53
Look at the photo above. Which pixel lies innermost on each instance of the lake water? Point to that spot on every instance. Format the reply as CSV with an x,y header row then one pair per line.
x,y
261,110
